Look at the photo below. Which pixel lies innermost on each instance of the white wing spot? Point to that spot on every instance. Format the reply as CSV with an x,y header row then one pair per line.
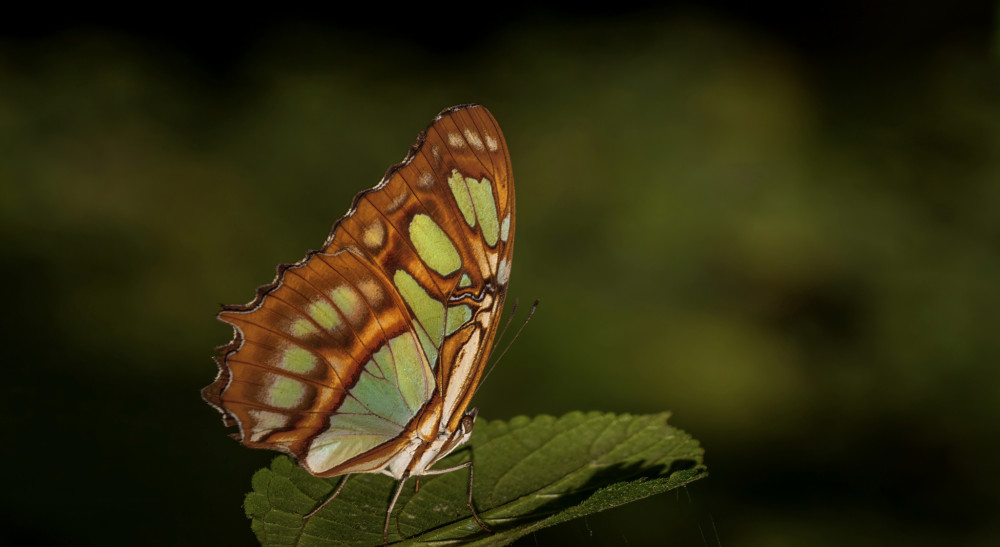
x,y
372,292
374,235
397,202
455,140
436,154
474,140
503,271
491,143
266,421
426,180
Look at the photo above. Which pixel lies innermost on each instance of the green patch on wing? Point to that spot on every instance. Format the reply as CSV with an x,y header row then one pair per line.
x,y
428,311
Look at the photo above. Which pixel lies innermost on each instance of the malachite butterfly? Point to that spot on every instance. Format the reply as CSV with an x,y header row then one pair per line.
x,y
363,356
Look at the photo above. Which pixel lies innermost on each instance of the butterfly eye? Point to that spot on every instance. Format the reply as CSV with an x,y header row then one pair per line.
x,y
469,420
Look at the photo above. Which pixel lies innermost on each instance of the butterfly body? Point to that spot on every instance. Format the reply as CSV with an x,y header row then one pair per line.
x,y
363,357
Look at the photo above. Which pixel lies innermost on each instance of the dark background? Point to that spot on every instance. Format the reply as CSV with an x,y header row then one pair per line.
x,y
780,225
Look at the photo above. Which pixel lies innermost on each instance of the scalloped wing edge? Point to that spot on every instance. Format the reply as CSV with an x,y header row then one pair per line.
x,y
212,393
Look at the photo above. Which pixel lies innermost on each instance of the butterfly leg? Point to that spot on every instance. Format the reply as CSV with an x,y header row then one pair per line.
x,y
469,501
329,499
388,514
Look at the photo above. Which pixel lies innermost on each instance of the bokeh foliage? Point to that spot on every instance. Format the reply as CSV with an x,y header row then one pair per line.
x,y
793,249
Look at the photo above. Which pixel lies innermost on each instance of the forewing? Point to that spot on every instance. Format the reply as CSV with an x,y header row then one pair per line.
x,y
447,213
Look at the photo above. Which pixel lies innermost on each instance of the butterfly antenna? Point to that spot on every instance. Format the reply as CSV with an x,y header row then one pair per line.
x,y
510,319
531,314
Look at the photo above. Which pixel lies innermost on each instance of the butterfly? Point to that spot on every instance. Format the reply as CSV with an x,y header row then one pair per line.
x,y
363,356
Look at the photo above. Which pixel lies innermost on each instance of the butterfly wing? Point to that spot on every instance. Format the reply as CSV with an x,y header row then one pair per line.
x,y
393,319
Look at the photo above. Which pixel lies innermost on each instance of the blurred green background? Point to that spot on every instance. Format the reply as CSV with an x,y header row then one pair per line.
x,y
783,227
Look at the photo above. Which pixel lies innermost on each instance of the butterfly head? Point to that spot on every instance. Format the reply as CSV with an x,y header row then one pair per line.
x,y
461,435
468,420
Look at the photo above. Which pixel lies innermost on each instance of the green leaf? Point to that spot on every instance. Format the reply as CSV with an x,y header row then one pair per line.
x,y
530,473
